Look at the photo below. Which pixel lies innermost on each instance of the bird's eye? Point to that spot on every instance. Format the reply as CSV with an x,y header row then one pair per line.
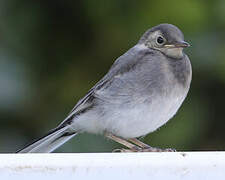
x,y
160,40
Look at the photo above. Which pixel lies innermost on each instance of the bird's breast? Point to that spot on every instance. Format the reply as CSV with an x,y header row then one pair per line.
x,y
146,117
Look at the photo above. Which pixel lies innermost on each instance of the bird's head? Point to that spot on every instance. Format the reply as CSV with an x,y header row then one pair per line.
x,y
166,38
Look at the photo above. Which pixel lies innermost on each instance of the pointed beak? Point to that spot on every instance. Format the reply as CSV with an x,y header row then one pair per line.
x,y
180,44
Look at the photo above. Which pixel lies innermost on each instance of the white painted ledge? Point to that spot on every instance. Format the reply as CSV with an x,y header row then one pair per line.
x,y
114,166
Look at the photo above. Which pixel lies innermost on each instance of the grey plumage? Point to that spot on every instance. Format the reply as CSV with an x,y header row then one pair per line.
x,y
143,89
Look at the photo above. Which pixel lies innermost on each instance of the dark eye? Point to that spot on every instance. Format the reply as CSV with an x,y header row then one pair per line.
x,y
160,40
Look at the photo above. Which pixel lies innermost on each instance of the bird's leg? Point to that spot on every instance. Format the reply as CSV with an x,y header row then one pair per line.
x,y
132,147
139,143
144,147
147,148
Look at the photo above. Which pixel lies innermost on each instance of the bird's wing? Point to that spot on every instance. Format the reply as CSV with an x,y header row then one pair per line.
x,y
123,64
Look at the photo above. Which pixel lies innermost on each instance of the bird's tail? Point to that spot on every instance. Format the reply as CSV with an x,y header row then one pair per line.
x,y
50,141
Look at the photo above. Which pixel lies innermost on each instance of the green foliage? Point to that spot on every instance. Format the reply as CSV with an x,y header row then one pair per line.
x,y
53,52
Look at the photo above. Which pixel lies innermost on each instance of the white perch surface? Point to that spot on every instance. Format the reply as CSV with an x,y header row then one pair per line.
x,y
113,166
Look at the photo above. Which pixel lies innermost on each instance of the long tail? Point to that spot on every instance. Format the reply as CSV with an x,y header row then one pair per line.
x,y
50,141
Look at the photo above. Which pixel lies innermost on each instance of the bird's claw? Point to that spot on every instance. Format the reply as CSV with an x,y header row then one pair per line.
x,y
149,149
153,149
133,149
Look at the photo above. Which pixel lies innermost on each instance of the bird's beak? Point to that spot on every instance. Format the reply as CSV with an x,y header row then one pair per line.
x,y
180,44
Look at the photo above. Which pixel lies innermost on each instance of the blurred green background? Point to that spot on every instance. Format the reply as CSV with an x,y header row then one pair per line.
x,y
53,52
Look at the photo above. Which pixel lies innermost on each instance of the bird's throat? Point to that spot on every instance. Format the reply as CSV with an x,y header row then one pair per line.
x,y
176,53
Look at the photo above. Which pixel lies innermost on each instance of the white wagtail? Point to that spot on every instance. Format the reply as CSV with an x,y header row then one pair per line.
x,y
143,89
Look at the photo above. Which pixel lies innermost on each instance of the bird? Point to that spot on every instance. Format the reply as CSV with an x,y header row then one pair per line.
x,y
143,89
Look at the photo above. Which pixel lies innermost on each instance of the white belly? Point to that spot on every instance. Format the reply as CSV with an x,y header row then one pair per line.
x,y
129,122
144,118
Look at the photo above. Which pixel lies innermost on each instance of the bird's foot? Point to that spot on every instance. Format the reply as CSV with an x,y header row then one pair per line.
x,y
135,145
133,149
149,149
154,149
146,148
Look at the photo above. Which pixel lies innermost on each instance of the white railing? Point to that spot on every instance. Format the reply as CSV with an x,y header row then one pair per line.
x,y
113,166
